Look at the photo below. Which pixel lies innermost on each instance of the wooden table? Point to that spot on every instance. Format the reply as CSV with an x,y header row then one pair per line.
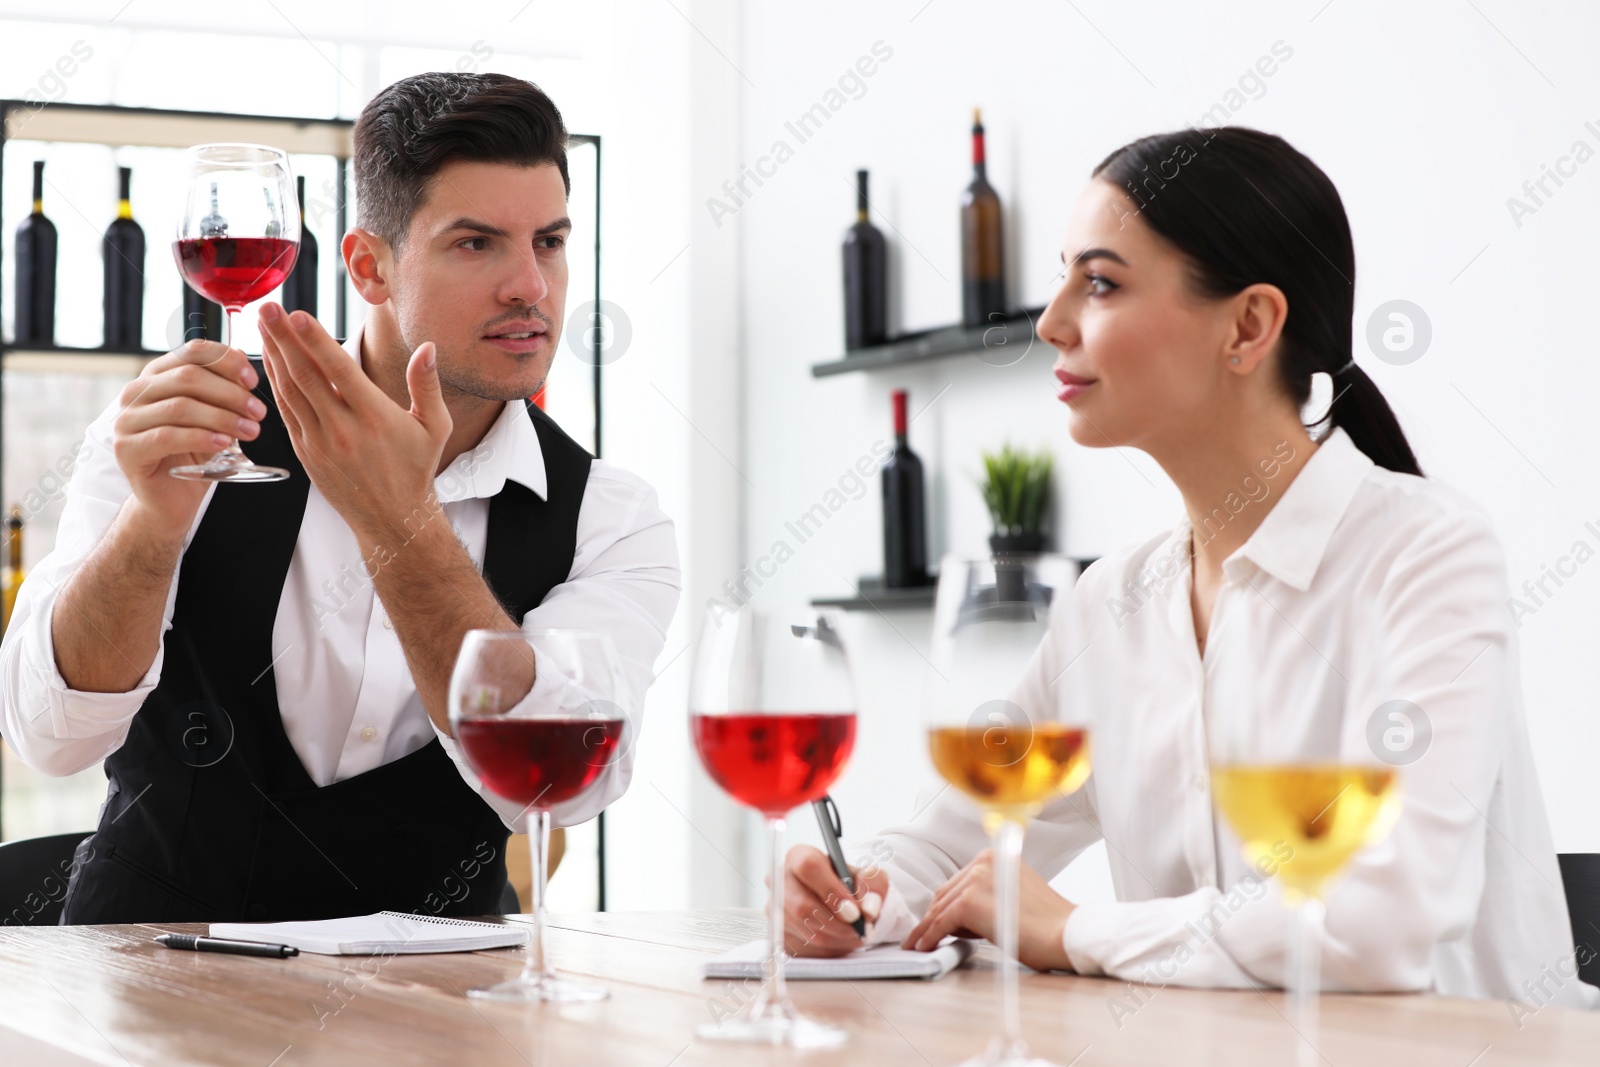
x,y
108,995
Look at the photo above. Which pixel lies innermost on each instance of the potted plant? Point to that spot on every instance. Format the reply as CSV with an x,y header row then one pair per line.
x,y
1016,490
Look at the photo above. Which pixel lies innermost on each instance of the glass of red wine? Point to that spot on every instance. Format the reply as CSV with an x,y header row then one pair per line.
x,y
773,711
237,241
540,753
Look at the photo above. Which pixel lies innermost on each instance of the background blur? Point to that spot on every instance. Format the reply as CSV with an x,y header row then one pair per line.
x,y
1435,119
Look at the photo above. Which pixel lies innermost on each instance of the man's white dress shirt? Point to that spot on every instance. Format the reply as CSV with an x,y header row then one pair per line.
x,y
344,687
1361,587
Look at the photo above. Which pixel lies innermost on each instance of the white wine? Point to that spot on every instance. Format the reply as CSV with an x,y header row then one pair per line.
x,y
1325,812
1012,770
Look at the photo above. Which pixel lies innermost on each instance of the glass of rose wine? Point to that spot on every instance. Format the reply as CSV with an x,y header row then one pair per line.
x,y
538,754
997,740
237,240
773,714
1302,802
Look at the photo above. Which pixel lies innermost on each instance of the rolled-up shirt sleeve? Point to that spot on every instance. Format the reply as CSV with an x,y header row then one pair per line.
x,y
53,728
624,583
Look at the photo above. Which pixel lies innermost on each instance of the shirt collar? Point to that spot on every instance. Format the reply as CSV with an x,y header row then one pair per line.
x,y
1292,540
509,451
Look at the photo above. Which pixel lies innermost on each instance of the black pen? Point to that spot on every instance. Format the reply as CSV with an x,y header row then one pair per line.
x,y
195,943
828,819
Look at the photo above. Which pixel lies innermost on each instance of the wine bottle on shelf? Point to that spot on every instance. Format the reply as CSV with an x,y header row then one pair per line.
x,y
36,271
300,287
13,571
905,541
123,252
866,277
983,287
202,318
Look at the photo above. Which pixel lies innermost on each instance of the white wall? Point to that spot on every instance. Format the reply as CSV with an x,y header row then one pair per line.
x,y
1426,115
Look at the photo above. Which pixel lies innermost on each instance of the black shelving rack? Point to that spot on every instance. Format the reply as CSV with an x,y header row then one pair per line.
x,y
117,126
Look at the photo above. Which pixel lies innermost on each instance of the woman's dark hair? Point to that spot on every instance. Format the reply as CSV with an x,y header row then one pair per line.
x,y
1246,207
417,125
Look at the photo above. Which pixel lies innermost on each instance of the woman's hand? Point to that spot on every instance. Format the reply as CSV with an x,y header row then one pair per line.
x,y
964,906
818,910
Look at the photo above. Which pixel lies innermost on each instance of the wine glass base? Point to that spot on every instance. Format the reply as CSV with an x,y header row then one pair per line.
x,y
542,989
765,1022
229,472
1000,1053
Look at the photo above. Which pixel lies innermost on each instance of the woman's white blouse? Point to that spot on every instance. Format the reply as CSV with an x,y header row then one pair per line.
x,y
1362,587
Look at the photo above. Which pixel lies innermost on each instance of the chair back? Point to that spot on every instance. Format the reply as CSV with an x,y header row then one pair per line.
x,y
33,878
1580,874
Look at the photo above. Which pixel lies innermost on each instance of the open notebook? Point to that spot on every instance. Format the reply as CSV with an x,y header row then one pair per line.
x,y
877,961
384,933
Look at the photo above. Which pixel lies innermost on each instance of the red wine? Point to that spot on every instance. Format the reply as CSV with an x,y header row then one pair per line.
x,y
905,526
538,761
774,763
983,287
36,271
300,288
866,278
123,252
233,271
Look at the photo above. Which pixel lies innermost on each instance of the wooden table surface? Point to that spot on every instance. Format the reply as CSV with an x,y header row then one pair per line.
x,y
109,995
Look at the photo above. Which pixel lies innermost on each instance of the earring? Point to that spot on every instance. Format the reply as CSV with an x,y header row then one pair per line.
x,y
1234,361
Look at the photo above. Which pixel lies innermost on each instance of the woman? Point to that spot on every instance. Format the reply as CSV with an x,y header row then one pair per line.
x,y
1209,275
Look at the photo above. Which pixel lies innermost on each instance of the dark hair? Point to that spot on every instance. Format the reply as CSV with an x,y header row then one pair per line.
x,y
1246,207
417,125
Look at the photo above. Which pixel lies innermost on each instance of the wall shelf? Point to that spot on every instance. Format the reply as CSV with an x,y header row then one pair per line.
x,y
874,596
62,360
1002,344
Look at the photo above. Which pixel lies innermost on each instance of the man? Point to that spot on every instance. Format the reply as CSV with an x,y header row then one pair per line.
x,y
264,668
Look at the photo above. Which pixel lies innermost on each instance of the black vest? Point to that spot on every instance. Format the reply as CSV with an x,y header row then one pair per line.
x,y
211,817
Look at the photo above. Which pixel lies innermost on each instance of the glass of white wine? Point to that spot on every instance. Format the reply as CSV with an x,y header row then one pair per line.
x,y
1298,797
990,616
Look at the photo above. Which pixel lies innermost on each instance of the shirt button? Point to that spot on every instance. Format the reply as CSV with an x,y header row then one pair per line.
x,y
388,624
368,733
1199,783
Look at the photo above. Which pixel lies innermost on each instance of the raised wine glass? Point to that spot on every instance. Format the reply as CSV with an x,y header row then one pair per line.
x,y
538,754
990,616
1302,802
237,240
773,713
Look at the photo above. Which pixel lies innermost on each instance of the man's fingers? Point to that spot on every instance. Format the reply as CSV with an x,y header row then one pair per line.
x,y
158,443
185,411
427,401
295,410
298,364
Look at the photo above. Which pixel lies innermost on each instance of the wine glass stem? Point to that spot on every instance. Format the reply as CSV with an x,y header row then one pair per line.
x,y
232,452
1007,837
539,852
1305,972
775,992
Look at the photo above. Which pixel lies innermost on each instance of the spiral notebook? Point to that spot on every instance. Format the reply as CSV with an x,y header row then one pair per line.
x,y
384,933
877,961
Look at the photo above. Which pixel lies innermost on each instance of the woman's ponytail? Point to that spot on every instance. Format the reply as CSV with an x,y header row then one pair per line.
x,y
1361,411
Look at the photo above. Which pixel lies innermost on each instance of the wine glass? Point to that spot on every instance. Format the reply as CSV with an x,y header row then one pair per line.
x,y
237,240
990,616
773,713
539,755
1302,802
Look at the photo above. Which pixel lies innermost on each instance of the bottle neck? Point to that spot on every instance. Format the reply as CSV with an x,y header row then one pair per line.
x,y
124,209
38,206
978,161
